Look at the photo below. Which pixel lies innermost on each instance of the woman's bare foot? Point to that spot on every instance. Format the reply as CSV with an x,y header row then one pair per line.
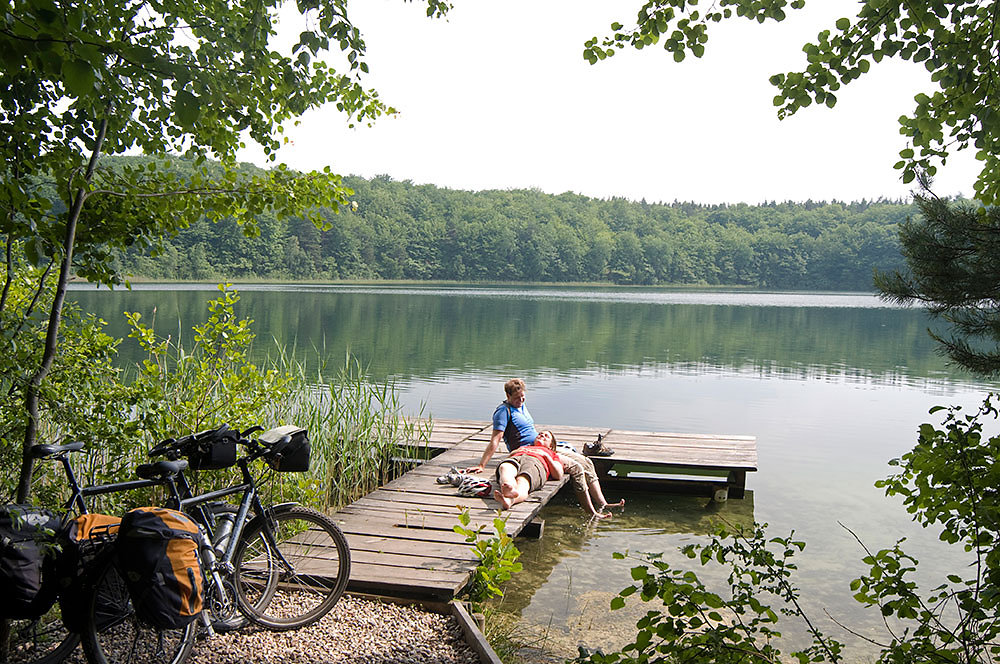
x,y
601,515
620,503
505,503
508,490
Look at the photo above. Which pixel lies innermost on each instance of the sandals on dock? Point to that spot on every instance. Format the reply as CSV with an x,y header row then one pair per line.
x,y
470,486
454,477
597,448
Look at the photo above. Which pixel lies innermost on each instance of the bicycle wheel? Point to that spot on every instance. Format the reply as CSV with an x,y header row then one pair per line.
x,y
291,569
44,640
113,634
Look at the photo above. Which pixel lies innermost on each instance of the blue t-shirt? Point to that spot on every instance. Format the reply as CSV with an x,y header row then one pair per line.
x,y
521,419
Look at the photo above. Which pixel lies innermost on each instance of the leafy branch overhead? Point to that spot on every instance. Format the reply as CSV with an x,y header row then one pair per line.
x,y
80,81
955,40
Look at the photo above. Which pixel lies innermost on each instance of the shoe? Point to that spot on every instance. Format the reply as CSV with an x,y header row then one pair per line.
x,y
597,448
454,477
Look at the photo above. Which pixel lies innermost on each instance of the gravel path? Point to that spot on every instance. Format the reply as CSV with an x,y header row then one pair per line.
x,y
356,630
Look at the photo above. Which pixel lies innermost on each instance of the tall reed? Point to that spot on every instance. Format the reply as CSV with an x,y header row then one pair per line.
x,y
359,435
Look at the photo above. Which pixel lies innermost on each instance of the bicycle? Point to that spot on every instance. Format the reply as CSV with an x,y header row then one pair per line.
x,y
46,639
282,568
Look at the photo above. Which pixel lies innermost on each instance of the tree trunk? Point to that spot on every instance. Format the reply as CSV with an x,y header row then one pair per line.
x,y
32,391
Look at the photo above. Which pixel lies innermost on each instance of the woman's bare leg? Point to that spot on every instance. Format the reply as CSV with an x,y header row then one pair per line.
x,y
513,488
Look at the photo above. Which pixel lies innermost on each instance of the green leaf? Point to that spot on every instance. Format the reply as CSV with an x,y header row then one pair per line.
x,y
187,108
843,24
78,76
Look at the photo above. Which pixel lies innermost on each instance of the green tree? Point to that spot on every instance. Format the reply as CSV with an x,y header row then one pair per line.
x,y
952,253
82,80
955,40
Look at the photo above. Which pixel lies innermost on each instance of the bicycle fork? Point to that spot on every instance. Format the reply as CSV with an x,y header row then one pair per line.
x,y
222,603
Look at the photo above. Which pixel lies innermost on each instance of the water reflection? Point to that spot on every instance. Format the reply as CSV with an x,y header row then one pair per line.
x,y
427,333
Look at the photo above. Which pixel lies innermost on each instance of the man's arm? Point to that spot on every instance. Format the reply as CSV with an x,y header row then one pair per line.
x,y
488,453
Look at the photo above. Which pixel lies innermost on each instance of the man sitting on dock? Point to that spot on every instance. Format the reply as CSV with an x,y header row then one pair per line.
x,y
512,423
525,470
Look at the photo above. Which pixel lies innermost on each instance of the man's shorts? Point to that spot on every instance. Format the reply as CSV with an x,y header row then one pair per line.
x,y
580,469
532,468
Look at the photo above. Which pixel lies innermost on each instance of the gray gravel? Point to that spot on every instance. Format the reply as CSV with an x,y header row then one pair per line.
x,y
356,630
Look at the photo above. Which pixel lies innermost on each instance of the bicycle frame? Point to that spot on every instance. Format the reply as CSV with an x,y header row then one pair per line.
x,y
79,494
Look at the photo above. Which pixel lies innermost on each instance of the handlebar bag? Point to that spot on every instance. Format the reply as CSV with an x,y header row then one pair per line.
x,y
214,449
291,457
157,553
28,547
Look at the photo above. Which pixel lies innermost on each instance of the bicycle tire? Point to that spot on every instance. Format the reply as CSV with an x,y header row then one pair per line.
x,y
43,640
297,583
113,634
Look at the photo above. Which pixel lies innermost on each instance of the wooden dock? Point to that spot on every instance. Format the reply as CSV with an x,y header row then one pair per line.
x,y
401,535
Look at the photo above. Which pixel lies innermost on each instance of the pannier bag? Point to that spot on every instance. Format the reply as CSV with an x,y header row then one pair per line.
x,y
292,457
213,449
157,554
83,540
27,547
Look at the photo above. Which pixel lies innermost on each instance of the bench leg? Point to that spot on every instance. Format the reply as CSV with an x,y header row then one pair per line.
x,y
737,483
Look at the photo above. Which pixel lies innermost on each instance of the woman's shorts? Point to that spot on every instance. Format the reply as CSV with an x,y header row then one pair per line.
x,y
533,469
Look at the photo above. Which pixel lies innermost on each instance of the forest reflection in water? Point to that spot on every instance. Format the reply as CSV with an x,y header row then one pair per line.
x,y
428,333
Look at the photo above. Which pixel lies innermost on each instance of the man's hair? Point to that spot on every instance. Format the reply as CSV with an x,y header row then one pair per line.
x,y
513,386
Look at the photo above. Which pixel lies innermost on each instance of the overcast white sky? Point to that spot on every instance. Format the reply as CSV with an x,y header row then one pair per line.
x,y
498,96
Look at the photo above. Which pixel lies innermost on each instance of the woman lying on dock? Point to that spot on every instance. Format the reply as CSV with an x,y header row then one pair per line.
x,y
525,470
583,475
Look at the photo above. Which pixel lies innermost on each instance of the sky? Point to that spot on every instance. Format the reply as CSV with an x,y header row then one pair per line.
x,y
498,96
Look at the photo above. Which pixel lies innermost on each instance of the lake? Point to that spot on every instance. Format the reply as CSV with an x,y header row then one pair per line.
x,y
832,385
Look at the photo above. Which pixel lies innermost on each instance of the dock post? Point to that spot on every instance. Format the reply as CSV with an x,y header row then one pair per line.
x,y
533,529
737,483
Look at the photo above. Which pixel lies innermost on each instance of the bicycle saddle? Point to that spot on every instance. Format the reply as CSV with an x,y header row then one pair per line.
x,y
161,469
45,450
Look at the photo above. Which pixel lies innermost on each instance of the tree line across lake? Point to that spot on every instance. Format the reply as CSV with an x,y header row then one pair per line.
x,y
400,230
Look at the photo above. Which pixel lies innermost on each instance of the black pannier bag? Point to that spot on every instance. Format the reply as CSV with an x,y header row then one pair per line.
x,y
292,457
213,449
157,554
83,540
28,549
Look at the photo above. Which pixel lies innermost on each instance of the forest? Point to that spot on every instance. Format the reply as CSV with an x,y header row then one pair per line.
x,y
401,230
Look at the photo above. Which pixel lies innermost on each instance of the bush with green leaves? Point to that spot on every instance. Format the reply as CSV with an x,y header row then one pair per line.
x,y
356,427
497,557
83,398
949,481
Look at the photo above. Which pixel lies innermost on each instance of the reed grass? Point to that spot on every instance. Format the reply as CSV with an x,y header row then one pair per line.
x,y
360,437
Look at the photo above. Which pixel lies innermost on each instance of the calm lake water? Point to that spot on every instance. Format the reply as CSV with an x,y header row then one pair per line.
x,y
832,386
